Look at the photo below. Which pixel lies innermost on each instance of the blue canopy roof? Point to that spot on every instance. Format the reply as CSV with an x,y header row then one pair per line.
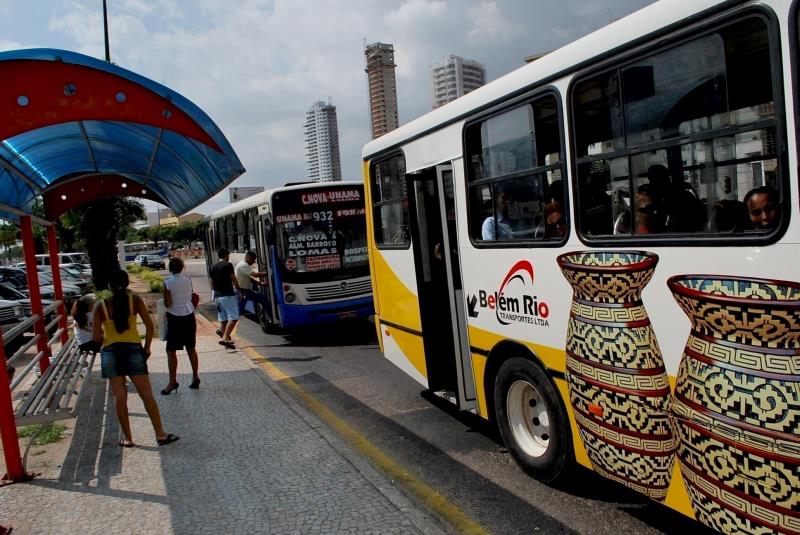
x,y
69,118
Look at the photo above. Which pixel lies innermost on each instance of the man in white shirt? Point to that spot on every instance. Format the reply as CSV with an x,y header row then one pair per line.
x,y
246,276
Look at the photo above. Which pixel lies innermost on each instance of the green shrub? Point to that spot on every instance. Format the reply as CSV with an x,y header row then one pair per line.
x,y
52,432
102,294
155,280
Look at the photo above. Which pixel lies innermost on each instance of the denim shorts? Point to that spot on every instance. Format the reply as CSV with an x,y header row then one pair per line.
x,y
227,307
123,359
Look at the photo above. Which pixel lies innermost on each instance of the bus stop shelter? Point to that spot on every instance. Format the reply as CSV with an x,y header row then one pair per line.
x,y
75,129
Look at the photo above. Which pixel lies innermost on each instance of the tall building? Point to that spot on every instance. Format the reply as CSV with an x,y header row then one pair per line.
x,y
382,88
322,143
454,77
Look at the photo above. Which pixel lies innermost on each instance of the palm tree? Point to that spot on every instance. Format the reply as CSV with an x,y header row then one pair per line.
x,y
99,223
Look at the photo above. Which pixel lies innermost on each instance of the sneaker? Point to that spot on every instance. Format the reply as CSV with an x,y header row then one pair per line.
x,y
219,333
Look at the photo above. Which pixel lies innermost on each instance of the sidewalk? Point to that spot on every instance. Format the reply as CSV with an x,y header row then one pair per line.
x,y
250,460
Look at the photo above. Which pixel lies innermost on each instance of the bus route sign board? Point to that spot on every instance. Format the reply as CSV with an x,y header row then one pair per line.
x,y
317,263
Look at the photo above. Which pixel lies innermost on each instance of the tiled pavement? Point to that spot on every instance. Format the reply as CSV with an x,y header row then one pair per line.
x,y
250,460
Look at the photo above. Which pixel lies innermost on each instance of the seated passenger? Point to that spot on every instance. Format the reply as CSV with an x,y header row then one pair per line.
x,y
497,226
554,224
730,216
763,207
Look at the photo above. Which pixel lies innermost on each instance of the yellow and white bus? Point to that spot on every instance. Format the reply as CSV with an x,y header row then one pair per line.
x,y
596,252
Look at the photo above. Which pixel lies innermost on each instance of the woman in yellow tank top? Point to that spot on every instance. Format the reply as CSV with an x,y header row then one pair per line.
x,y
114,327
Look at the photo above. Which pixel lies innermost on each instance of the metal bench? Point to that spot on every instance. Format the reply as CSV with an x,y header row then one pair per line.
x,y
55,394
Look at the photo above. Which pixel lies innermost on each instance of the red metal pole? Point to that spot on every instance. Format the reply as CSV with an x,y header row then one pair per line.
x,y
52,247
8,426
34,294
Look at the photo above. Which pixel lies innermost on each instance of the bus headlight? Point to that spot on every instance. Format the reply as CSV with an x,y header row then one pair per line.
x,y
290,297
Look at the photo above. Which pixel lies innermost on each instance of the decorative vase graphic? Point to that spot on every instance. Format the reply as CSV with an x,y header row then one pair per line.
x,y
618,386
736,409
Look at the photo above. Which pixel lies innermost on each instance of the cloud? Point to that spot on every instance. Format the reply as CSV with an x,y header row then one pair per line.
x,y
256,66
490,25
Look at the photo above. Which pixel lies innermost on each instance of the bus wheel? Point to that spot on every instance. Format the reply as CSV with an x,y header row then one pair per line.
x,y
531,419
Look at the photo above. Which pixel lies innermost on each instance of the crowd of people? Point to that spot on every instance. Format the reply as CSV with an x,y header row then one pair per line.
x,y
109,327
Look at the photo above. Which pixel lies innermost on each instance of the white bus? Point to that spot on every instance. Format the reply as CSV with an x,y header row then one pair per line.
x,y
596,252
311,240
132,250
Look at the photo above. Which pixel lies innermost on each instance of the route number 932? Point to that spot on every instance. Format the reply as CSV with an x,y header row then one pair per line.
x,y
323,215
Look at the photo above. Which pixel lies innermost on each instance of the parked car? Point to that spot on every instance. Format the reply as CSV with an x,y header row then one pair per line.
x,y
7,293
79,268
11,314
64,258
67,279
19,280
151,261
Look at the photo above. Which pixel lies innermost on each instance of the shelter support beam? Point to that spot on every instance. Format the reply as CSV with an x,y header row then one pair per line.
x,y
8,426
52,248
33,289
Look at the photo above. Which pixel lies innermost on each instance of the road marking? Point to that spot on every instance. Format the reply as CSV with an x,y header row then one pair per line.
x,y
461,521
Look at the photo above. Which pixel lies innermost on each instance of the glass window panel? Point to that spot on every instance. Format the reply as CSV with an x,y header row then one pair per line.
x,y
547,131
516,209
598,115
677,92
394,224
506,143
604,197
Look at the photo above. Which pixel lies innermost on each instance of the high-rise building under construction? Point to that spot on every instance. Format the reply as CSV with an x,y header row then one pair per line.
x,y
382,88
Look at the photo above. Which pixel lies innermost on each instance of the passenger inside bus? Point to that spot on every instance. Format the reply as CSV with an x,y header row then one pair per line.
x,y
763,207
498,226
555,224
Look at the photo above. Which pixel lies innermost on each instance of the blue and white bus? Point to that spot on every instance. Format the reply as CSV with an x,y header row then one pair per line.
x,y
311,241
132,250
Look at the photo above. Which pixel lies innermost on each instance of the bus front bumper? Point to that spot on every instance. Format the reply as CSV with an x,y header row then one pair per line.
x,y
301,315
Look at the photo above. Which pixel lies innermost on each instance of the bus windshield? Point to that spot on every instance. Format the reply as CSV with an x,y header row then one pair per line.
x,y
321,230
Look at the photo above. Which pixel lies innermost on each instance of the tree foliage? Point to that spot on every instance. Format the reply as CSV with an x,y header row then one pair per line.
x,y
178,236
98,224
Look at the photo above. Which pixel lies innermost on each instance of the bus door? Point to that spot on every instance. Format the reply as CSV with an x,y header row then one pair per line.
x,y
441,295
264,246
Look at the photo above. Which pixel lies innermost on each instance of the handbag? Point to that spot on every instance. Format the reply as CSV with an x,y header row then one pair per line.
x,y
161,319
195,296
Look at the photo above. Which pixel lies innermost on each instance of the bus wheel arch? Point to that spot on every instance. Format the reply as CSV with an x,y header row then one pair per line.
x,y
525,405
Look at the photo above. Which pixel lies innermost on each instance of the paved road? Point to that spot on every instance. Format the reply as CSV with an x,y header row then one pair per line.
x,y
455,454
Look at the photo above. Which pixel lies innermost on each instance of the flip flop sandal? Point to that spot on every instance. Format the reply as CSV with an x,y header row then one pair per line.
x,y
169,438
126,444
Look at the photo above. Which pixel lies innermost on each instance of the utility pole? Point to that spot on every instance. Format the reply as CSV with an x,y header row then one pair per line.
x,y
105,30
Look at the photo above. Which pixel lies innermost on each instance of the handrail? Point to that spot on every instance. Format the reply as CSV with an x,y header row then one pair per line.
x,y
21,351
18,378
53,323
52,306
56,339
20,328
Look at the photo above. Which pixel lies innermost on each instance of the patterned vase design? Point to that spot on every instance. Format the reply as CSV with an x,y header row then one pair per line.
x,y
618,387
736,409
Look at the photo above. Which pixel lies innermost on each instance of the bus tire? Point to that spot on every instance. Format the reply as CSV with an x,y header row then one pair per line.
x,y
532,421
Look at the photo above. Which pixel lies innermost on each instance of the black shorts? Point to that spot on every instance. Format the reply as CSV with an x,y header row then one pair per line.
x,y
181,332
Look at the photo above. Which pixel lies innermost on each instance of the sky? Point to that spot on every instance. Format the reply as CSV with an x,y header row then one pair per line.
x,y
256,66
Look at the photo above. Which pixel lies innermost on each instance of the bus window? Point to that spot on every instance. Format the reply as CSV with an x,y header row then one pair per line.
x,y
390,203
685,144
240,232
515,177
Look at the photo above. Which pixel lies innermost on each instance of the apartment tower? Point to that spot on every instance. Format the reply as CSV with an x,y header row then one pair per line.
x,y
454,77
322,143
382,88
